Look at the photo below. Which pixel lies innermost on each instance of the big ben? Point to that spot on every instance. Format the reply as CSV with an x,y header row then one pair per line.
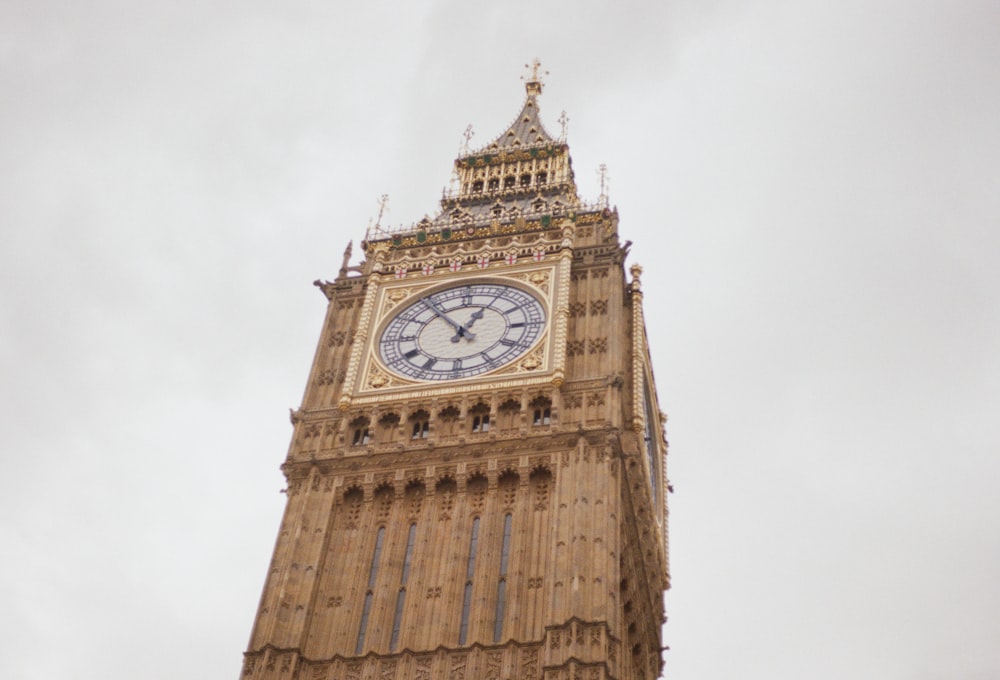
x,y
477,473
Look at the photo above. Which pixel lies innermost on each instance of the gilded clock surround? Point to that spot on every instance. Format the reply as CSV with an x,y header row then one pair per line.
x,y
550,465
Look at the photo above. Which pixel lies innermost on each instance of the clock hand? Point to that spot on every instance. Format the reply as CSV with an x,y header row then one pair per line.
x,y
464,330
460,332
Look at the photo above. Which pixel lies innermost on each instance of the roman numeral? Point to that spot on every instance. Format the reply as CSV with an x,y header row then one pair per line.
x,y
430,362
412,353
509,343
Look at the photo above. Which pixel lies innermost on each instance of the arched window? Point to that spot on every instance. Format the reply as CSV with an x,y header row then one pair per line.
x,y
541,178
359,431
508,182
526,179
477,186
541,412
493,184
419,424
480,414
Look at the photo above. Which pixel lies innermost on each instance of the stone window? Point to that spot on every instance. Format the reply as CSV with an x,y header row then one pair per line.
x,y
360,433
480,414
419,424
541,412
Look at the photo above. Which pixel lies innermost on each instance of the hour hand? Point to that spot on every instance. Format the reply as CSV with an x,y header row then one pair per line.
x,y
464,330
460,331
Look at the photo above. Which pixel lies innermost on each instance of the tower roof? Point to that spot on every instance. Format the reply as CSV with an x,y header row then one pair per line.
x,y
524,132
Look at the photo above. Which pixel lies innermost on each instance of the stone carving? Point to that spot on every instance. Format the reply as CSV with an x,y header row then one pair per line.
x,y
577,309
423,671
494,663
574,348
457,671
334,601
326,377
599,307
597,345
529,663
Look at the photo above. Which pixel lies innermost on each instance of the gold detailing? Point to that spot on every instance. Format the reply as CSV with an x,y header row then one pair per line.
x,y
532,82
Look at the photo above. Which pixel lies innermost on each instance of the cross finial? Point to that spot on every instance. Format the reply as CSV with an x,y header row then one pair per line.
x,y
467,135
533,82
602,170
563,121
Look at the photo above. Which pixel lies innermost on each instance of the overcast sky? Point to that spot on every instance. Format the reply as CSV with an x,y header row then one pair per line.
x,y
813,188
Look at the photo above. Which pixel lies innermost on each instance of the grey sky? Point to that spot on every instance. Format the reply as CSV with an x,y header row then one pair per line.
x,y
812,187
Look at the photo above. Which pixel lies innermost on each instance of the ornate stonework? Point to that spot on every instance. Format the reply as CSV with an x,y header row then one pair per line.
x,y
500,526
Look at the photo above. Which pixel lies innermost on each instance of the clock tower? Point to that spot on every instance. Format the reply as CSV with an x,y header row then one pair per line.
x,y
476,474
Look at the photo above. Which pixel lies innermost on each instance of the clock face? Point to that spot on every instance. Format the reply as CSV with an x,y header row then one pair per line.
x,y
461,332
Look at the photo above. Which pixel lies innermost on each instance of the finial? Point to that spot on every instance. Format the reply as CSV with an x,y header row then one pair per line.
x,y
533,83
602,170
382,201
563,121
636,273
467,135
347,258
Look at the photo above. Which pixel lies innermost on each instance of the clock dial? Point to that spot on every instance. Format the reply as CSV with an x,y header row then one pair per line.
x,y
461,332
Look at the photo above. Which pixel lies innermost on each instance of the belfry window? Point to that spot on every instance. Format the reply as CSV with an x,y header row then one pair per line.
x,y
470,569
372,575
477,186
493,184
508,182
541,178
526,180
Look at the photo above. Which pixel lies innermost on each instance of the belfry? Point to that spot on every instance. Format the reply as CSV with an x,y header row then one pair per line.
x,y
477,471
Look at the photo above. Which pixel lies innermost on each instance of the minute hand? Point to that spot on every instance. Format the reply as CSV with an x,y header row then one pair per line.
x,y
459,330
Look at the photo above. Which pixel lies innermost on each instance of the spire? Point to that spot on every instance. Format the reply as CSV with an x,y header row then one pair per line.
x,y
526,130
